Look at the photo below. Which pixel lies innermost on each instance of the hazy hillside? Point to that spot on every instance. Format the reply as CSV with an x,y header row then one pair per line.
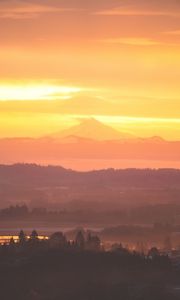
x,y
32,174
101,190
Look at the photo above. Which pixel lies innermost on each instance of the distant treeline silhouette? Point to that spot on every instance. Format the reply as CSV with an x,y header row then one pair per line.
x,y
56,241
83,242
157,213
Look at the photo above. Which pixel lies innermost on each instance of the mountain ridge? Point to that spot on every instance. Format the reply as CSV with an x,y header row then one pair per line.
x,y
92,129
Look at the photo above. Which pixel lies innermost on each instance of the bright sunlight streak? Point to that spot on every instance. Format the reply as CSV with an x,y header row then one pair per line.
x,y
36,92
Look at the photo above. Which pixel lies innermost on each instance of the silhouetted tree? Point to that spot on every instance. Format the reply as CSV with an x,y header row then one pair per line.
x,y
22,238
12,245
58,240
153,252
80,240
93,243
34,235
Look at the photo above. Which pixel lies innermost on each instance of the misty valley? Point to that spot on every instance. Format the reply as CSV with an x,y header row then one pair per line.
x,y
128,205
107,234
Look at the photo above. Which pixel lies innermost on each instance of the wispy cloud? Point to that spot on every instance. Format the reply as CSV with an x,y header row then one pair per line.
x,y
147,8
173,32
132,41
129,11
25,10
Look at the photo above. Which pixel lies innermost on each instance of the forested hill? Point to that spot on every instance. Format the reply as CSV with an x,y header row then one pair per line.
x,y
35,175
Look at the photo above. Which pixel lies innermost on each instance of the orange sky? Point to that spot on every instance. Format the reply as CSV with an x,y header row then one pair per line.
x,y
65,60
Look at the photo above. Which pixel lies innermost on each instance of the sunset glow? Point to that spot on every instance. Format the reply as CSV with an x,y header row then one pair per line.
x,y
63,62
90,149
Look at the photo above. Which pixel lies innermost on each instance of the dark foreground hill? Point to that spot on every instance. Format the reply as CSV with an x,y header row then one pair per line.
x,y
85,276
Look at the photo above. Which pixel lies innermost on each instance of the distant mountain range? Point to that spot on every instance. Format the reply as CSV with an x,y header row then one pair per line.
x,y
91,140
